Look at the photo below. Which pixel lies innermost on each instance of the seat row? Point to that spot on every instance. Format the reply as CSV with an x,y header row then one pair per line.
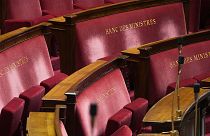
x,y
153,65
25,13
25,72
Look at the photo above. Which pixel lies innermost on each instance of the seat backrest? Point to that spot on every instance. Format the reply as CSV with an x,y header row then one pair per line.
x,y
205,11
164,67
25,62
110,94
57,7
108,35
23,9
10,117
86,4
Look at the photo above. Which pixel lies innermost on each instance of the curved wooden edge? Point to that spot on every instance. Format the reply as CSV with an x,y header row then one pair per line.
x,y
161,111
58,92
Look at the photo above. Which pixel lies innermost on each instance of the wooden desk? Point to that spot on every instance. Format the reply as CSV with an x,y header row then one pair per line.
x,y
160,113
41,124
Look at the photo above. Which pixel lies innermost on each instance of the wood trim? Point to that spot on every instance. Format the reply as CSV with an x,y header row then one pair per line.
x,y
164,45
15,37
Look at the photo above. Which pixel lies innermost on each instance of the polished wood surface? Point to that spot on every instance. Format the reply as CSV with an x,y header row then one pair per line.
x,y
41,124
57,93
206,80
161,111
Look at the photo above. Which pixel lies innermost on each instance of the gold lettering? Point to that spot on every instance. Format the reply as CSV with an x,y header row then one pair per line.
x,y
134,25
13,65
190,59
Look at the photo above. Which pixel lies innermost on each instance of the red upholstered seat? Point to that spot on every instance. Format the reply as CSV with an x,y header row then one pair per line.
x,y
63,130
123,131
20,13
87,4
58,7
52,81
109,92
10,117
163,67
24,65
121,31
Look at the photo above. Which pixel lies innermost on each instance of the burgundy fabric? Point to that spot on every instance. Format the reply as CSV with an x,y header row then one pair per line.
x,y
13,24
111,57
118,32
207,123
23,9
41,19
110,94
10,117
205,13
33,99
183,83
201,77
87,4
139,108
58,7
163,67
207,134
123,131
122,117
55,63
24,65
194,15
52,81
115,1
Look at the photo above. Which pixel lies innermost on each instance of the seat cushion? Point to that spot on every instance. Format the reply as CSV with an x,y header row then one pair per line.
x,y
42,19
52,81
123,131
138,108
11,116
33,99
122,117
87,4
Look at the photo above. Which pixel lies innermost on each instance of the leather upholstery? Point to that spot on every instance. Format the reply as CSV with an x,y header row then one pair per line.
x,y
22,66
163,67
10,117
110,94
205,13
121,31
138,113
122,117
52,81
24,13
87,4
58,7
33,99
123,131
194,15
